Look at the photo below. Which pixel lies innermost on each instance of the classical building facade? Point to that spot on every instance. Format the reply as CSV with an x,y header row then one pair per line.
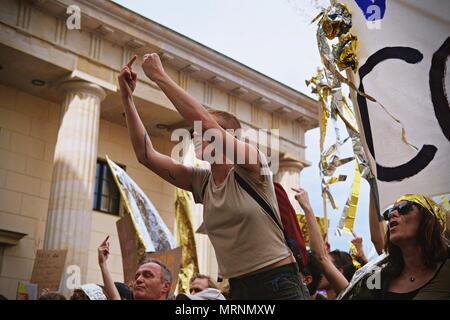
x,y
60,114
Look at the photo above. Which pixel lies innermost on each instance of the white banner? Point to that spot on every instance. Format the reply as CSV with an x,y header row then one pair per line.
x,y
403,50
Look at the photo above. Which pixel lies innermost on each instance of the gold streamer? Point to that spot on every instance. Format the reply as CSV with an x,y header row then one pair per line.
x,y
336,20
335,179
349,213
444,202
186,240
330,28
432,207
301,218
344,52
354,254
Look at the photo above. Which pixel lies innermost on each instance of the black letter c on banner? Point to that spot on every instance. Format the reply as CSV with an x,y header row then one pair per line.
x,y
437,87
427,153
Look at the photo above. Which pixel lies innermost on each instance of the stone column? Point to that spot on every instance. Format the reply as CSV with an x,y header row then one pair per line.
x,y
70,205
288,176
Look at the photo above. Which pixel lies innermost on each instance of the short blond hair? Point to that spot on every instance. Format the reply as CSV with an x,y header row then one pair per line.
x,y
225,120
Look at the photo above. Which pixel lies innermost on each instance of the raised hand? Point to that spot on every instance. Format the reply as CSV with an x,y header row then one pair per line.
x,y
302,197
153,67
128,78
103,252
358,242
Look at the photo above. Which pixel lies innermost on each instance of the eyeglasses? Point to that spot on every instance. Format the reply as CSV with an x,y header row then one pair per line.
x,y
402,209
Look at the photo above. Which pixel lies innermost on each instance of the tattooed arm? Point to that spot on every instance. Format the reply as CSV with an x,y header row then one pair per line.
x,y
170,170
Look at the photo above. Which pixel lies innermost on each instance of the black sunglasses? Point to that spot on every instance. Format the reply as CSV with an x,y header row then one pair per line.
x,y
402,209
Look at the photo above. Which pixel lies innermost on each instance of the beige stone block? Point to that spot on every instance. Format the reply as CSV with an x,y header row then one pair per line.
x,y
265,119
18,223
162,202
169,220
27,145
49,151
40,169
114,151
39,235
43,25
116,264
103,222
23,183
275,122
32,106
25,249
34,207
103,132
195,89
100,72
98,237
101,150
168,189
54,115
8,286
117,276
130,160
19,268
45,189
219,100
44,130
119,135
15,121
5,138
10,201
244,110
3,178
93,260
146,179
8,97
94,276
12,161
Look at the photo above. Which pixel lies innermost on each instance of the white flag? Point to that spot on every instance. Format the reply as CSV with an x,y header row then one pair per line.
x,y
402,51
148,223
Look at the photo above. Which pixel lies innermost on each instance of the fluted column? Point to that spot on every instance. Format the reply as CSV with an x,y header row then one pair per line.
x,y
288,176
70,205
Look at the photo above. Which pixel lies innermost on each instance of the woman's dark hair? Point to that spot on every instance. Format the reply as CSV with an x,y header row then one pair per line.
x,y
313,269
432,245
343,260
79,294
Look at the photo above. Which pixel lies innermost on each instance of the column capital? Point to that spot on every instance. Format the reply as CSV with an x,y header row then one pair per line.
x,y
287,162
71,86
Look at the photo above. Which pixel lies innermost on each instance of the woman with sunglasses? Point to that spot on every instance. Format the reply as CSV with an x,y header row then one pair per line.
x,y
417,265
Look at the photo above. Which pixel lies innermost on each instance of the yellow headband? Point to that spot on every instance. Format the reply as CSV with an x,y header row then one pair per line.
x,y
432,207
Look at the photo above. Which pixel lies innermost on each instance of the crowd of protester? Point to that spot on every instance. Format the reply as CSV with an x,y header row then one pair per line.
x,y
251,250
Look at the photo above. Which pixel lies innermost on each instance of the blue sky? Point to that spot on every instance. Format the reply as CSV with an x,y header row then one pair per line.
x,y
274,37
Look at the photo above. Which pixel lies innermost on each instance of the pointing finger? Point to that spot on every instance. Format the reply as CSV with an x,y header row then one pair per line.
x,y
130,63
